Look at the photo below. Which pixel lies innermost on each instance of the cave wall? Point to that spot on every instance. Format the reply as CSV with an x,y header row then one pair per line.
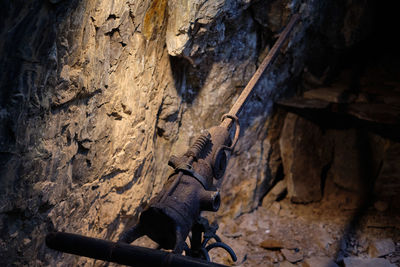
x,y
96,95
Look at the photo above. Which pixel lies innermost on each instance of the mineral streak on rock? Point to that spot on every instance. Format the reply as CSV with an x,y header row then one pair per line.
x,y
155,19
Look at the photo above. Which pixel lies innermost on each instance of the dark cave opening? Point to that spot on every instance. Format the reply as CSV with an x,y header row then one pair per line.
x,y
363,139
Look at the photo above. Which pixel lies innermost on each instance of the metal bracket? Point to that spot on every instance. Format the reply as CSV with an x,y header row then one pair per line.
x,y
202,233
188,170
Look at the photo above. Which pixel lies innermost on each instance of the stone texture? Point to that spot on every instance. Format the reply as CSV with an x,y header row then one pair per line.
x,y
323,239
380,248
319,261
95,96
335,94
275,208
347,164
84,155
359,262
272,244
381,206
387,182
274,194
292,256
305,152
273,14
286,264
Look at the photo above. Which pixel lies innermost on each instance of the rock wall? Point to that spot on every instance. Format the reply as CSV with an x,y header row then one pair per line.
x,y
96,95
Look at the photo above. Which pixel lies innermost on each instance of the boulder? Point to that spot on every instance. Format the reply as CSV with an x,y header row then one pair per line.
x,y
381,247
305,152
319,261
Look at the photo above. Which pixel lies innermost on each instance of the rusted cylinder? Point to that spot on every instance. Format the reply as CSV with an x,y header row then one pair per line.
x,y
120,253
210,200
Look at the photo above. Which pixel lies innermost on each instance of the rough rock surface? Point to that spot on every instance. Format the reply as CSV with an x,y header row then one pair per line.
x,y
305,152
275,193
357,262
319,261
94,96
346,164
380,248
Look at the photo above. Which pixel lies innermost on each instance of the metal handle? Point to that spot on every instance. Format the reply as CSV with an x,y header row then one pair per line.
x,y
120,252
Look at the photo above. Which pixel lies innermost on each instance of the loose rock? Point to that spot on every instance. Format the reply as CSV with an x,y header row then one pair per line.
x,y
319,262
333,94
381,206
273,195
271,244
275,208
292,256
379,248
304,151
286,264
358,262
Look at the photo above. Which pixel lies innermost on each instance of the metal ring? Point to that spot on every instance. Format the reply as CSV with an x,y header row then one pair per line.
x,y
224,246
237,130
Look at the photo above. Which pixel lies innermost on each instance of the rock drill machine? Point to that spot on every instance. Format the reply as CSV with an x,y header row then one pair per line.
x,y
175,213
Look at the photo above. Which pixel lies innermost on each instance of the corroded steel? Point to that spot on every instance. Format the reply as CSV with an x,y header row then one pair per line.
x,y
172,214
120,252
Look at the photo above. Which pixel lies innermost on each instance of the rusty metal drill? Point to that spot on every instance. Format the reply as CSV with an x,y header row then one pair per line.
x,y
190,189
172,214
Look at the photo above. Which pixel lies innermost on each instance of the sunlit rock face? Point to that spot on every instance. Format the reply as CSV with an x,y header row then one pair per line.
x,y
96,95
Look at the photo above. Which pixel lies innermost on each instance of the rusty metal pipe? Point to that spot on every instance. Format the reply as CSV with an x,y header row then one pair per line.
x,y
268,60
120,253
210,200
